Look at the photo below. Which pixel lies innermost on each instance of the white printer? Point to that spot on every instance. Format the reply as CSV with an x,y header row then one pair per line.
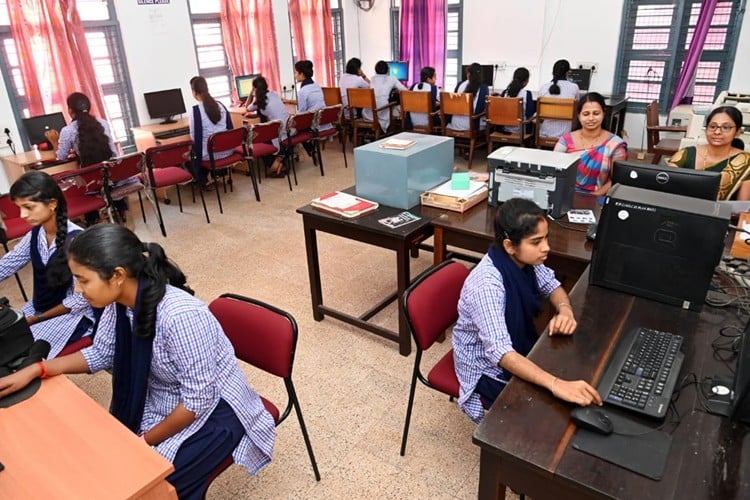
x,y
545,177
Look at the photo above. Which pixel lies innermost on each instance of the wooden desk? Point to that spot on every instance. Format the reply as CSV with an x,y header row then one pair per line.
x,y
148,136
365,229
526,437
61,444
16,165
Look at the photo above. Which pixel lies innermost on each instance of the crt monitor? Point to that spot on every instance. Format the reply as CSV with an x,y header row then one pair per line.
x,y
488,74
581,77
165,104
37,126
244,84
731,397
399,70
683,181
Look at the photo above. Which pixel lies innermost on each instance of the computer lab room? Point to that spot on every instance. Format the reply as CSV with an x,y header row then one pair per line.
x,y
374,249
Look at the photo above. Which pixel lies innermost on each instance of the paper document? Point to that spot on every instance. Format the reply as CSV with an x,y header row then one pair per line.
x,y
581,216
446,190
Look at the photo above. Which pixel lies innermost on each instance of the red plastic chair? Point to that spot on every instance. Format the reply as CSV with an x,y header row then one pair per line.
x,y
125,168
330,115
83,189
169,165
260,137
431,307
76,346
234,140
15,227
299,129
265,337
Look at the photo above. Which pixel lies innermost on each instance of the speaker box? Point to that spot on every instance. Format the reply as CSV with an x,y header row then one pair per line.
x,y
658,245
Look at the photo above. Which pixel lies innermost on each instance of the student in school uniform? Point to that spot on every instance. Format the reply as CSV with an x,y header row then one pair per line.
x,y
353,78
55,313
561,88
309,97
207,117
517,88
427,83
176,382
269,107
499,300
383,84
473,85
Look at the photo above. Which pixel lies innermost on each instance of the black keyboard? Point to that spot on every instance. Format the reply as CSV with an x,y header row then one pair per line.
x,y
172,133
643,371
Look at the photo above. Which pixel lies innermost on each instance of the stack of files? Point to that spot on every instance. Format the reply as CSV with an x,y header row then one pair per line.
x,y
344,204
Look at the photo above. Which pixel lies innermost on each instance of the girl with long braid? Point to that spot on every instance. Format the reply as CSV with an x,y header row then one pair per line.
x,y
208,117
561,88
55,313
473,85
516,89
175,380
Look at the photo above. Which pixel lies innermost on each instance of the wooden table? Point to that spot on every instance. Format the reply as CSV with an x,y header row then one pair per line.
x,y
157,134
16,165
365,229
526,437
60,444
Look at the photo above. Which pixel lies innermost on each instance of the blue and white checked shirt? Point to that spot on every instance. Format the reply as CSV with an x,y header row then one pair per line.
x,y
55,330
194,364
69,139
480,337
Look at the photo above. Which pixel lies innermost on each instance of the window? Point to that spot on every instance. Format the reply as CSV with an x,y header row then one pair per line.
x,y
105,45
337,18
213,64
655,39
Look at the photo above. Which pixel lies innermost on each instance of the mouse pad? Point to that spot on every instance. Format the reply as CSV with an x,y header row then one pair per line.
x,y
21,395
643,450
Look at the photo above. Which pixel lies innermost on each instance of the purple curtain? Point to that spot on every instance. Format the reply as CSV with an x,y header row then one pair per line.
x,y
684,91
423,36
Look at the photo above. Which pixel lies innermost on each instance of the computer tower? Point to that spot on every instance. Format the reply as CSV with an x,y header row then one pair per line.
x,y
658,245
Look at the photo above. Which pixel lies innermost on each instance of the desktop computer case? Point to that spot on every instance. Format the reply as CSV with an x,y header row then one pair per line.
x,y
659,246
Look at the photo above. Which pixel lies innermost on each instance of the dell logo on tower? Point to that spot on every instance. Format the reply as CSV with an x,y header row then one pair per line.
x,y
662,178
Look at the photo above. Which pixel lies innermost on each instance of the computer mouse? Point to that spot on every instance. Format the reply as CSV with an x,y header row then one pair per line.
x,y
592,419
591,232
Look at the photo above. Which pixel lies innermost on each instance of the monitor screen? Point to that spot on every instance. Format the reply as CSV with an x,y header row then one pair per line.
x,y
244,84
682,181
165,104
399,70
581,77
488,74
36,127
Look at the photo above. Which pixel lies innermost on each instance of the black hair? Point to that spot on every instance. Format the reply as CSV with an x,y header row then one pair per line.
x,y
520,76
353,66
93,143
381,68
590,97
105,247
200,87
516,219
40,187
559,72
474,74
425,74
304,67
261,92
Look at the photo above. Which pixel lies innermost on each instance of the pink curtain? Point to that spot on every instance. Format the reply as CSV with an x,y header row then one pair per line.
x,y
312,30
423,36
250,39
54,55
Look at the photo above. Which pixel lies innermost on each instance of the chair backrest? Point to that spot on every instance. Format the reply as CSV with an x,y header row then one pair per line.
x,y
124,167
174,154
413,101
300,122
332,95
265,132
8,208
226,139
361,98
431,302
330,114
262,335
82,181
652,120
555,108
452,103
507,111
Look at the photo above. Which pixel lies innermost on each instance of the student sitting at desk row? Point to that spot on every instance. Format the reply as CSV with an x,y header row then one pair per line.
x,y
499,300
175,380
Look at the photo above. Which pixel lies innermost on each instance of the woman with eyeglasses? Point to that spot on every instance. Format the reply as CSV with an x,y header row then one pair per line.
x,y
722,153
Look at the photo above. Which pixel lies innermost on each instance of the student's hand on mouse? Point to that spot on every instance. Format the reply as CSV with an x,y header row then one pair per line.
x,y
563,323
18,380
52,135
576,391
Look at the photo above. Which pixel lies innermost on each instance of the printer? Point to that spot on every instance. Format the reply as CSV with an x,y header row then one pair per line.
x,y
545,177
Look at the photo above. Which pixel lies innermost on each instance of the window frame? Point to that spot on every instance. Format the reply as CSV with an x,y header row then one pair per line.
x,y
218,71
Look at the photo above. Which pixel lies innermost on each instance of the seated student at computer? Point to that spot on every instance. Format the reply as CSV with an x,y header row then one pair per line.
x,y
598,148
722,153
269,107
560,88
353,78
517,88
383,84
473,85
427,83
207,117
499,300
176,382
309,97
55,313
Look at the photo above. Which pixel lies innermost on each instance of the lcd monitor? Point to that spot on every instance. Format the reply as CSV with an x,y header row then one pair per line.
x,y
683,181
581,77
399,70
244,84
37,126
488,73
165,104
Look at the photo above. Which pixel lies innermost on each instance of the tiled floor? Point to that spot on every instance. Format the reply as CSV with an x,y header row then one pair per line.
x,y
353,386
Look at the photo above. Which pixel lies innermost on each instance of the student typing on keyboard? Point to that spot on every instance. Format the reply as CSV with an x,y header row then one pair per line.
x,y
499,300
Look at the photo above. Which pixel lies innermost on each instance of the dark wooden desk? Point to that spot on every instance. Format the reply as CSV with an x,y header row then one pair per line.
x,y
526,438
366,229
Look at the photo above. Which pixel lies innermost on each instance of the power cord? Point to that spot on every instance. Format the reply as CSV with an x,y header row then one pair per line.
x,y
9,142
569,227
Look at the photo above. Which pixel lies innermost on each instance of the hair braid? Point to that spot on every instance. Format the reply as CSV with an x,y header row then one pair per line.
x,y
58,272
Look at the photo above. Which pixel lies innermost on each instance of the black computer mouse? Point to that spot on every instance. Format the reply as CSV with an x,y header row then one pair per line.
x,y
592,419
591,232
